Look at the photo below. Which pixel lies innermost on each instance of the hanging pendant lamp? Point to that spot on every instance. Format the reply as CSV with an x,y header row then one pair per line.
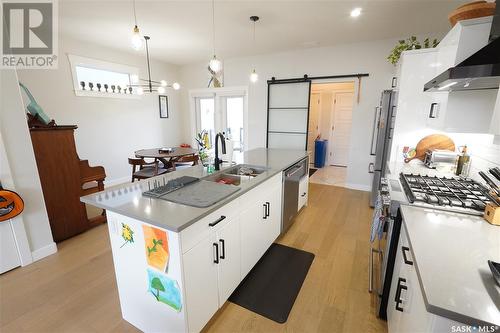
x,y
214,64
254,77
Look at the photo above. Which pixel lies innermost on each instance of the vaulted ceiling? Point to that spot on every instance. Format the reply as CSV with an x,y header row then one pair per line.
x,y
181,31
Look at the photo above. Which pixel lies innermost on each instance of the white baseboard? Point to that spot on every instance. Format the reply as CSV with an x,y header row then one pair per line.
x,y
359,187
44,251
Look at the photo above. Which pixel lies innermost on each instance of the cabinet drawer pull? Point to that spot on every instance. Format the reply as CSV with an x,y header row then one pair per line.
x,y
223,249
405,259
268,212
265,211
217,221
216,246
397,299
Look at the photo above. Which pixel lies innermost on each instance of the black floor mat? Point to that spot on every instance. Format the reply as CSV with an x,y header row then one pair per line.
x,y
271,287
312,171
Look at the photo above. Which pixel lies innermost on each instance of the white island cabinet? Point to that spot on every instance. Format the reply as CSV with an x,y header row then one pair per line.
x,y
176,265
178,285
219,257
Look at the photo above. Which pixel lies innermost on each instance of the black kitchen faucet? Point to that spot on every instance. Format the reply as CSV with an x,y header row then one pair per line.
x,y
217,161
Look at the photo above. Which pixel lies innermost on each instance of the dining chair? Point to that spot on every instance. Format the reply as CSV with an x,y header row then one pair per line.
x,y
143,170
187,161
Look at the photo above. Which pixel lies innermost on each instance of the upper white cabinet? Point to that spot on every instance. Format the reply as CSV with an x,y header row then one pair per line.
x,y
457,111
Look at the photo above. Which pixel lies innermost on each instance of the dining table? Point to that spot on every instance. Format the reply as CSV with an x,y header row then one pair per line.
x,y
167,158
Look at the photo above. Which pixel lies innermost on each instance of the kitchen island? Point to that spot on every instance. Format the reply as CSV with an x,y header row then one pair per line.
x,y
176,265
441,281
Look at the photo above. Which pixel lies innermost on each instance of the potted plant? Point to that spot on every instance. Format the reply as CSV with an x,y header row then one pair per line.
x,y
409,44
203,146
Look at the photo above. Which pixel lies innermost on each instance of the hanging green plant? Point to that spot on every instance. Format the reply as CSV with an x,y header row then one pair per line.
x,y
409,44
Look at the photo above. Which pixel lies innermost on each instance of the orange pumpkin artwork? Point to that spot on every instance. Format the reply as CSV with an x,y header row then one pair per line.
x,y
156,246
11,204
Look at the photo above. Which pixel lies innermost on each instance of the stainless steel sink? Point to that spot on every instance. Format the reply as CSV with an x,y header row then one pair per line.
x,y
236,175
245,170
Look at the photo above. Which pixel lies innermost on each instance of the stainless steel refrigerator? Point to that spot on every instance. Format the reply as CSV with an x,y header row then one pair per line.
x,y
383,130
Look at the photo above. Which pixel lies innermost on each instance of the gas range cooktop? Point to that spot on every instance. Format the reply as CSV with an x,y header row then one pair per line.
x,y
450,194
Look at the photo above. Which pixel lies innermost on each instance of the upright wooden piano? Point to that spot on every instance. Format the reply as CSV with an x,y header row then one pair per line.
x,y
65,178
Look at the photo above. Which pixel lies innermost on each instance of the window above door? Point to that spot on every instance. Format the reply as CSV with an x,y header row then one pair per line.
x,y
97,78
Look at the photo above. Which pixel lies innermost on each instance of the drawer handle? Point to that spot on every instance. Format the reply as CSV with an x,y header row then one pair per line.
x,y
303,194
398,299
216,246
268,212
223,249
265,211
405,259
214,223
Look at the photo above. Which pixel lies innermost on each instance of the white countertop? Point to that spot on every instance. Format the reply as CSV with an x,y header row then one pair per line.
x,y
450,253
127,199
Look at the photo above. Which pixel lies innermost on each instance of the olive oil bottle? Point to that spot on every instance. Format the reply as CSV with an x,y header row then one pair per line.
x,y
463,163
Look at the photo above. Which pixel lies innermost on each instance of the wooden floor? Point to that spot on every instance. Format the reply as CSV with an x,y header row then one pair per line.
x,y
75,290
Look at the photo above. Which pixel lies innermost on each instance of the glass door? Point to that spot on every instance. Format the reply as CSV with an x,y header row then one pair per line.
x,y
232,121
223,112
205,117
287,114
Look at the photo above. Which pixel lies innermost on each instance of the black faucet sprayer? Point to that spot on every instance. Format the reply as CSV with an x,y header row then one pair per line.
x,y
218,161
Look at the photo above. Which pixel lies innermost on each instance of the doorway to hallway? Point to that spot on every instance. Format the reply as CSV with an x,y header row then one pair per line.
x,y
330,118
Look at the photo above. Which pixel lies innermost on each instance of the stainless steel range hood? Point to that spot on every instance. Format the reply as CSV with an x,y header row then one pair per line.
x,y
480,71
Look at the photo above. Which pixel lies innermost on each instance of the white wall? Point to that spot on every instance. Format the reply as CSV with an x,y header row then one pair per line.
x,y
18,169
109,129
368,57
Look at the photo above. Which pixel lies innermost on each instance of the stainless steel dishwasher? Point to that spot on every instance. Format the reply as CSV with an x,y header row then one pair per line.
x,y
291,179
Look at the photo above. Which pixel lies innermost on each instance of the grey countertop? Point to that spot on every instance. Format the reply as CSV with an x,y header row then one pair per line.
x,y
450,253
127,199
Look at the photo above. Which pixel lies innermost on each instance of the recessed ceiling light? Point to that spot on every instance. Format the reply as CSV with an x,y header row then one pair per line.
x,y
356,12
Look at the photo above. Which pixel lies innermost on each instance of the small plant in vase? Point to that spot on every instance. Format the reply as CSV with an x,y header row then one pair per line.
x,y
409,44
203,146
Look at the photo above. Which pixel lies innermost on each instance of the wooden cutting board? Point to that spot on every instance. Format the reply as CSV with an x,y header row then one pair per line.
x,y
433,141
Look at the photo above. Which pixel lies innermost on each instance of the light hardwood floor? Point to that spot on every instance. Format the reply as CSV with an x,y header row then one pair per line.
x,y
75,290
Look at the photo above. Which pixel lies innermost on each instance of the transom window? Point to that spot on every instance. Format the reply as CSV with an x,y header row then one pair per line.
x,y
97,78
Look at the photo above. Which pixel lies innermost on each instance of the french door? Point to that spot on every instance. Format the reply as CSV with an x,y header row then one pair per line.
x,y
221,110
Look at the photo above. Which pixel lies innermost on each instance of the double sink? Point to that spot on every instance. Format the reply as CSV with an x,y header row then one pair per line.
x,y
237,175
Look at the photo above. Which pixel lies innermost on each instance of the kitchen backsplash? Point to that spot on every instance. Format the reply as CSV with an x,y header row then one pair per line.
x,y
484,153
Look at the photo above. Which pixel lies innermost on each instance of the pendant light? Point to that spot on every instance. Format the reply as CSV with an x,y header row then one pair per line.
x,y
214,64
136,35
148,85
254,77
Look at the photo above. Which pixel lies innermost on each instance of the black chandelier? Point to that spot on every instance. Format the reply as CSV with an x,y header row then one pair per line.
x,y
148,85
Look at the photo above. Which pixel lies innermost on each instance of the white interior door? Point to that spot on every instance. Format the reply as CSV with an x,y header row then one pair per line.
x,y
313,122
341,129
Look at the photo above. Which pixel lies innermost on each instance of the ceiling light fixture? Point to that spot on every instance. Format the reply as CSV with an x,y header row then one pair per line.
x,y
136,35
356,12
254,77
149,85
214,64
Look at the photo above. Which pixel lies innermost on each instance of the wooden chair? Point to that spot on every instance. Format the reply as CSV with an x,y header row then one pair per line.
x,y
187,161
146,169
